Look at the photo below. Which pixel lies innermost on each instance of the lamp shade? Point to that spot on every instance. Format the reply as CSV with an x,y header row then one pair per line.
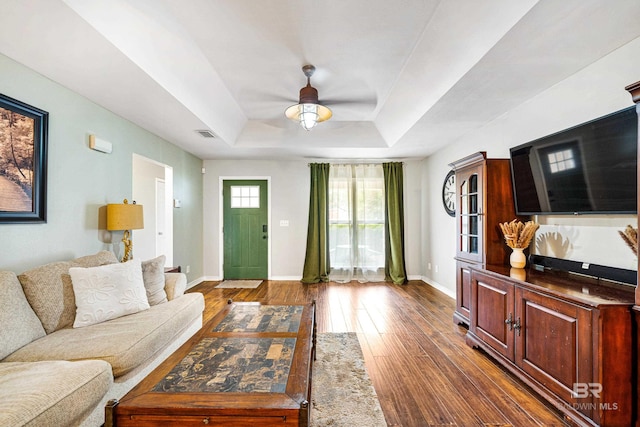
x,y
124,216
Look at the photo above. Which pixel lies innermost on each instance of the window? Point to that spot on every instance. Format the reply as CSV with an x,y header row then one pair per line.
x,y
245,196
356,222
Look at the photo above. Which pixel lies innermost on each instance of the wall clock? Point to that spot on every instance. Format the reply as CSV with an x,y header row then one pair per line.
x,y
449,193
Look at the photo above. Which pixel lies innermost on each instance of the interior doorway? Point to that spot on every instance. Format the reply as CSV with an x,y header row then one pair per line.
x,y
153,189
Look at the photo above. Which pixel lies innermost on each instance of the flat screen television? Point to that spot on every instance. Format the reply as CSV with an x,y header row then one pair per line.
x,y
587,169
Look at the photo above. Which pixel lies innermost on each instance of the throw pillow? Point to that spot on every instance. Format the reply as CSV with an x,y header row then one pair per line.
x,y
107,292
153,277
49,291
95,260
19,325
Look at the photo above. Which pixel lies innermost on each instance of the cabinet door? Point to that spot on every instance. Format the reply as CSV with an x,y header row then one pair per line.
x,y
463,292
554,346
469,207
493,301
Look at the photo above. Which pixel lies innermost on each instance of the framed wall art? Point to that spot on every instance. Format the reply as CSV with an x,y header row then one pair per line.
x,y
23,162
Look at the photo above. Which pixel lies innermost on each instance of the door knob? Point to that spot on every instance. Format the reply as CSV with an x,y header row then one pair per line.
x,y
517,326
509,321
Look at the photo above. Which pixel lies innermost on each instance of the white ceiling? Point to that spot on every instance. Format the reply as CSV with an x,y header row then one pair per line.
x,y
403,78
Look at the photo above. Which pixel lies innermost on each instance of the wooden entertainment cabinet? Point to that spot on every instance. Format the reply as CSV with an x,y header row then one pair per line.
x,y
567,336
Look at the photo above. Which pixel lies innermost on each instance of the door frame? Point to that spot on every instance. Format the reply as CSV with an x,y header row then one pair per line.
x,y
138,193
221,180
161,216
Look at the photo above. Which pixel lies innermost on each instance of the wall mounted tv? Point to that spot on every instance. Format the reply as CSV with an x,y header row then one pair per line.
x,y
586,169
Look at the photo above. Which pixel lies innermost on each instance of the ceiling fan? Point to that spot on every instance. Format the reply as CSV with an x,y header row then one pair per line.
x,y
308,112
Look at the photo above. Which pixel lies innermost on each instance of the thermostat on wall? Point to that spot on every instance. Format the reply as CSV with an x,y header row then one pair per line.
x,y
99,144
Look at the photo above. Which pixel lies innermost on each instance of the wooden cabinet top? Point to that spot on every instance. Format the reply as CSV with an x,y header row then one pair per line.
x,y
584,290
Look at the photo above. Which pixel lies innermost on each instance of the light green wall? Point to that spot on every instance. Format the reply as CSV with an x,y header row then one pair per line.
x,y
81,180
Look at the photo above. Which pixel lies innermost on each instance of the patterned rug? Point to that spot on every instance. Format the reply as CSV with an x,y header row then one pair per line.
x,y
342,393
239,284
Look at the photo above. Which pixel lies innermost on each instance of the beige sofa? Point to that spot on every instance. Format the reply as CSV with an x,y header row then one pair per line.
x,y
54,374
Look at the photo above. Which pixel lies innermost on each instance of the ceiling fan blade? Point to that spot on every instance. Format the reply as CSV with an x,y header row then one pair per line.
x,y
368,101
286,99
271,97
364,101
320,76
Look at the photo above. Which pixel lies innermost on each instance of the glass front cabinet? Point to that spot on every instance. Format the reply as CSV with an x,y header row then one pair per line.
x,y
484,198
469,220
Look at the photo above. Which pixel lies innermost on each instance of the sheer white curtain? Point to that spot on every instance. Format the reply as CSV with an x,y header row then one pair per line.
x,y
356,223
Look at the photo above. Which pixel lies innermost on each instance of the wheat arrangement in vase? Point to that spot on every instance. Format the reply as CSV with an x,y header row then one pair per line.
x,y
518,234
630,237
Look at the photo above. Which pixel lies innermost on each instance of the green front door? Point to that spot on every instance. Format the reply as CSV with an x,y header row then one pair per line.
x,y
245,229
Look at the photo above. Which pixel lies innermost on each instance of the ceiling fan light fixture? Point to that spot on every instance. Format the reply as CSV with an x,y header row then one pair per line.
x,y
308,115
308,112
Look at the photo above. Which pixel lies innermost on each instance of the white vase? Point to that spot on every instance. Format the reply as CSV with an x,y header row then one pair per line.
x,y
518,259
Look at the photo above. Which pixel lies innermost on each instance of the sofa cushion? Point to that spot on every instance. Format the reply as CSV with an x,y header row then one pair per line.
x,y
107,292
55,393
125,342
19,324
175,284
153,277
49,290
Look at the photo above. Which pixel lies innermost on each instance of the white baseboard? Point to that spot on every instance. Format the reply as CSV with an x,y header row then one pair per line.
x,y
287,278
197,282
212,279
445,290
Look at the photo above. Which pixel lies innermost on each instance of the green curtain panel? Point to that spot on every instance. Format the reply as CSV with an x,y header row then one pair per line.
x,y
316,261
394,268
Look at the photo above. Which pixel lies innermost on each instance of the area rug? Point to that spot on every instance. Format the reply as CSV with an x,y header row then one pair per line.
x,y
342,393
239,284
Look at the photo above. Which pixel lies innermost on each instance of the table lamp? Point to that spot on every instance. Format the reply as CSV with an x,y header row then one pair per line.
x,y
125,217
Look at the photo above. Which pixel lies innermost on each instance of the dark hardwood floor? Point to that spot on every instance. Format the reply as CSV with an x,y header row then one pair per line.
x,y
422,370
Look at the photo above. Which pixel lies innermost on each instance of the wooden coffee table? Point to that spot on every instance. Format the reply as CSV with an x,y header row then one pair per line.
x,y
249,366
